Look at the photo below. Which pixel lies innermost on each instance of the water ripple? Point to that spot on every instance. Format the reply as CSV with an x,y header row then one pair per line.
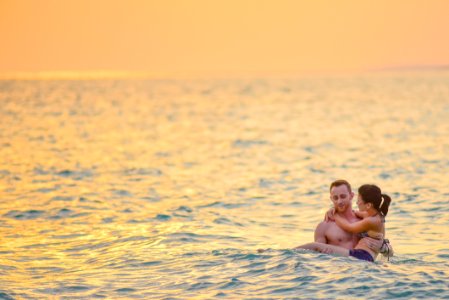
x,y
165,189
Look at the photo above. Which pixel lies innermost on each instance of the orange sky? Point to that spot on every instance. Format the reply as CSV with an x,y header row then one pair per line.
x,y
172,37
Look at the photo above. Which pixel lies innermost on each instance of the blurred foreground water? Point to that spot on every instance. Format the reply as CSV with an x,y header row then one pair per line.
x,y
165,189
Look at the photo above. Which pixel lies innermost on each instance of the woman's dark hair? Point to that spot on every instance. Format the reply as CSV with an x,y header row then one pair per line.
x,y
372,194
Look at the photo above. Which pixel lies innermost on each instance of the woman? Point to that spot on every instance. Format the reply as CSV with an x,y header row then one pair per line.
x,y
373,208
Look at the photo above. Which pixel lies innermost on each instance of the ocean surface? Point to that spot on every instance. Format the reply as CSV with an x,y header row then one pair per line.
x,y
165,189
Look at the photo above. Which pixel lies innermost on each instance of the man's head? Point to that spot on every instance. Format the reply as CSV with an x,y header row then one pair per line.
x,y
341,195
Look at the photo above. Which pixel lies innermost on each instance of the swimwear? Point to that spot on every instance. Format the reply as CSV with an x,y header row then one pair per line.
x,y
361,254
363,234
386,249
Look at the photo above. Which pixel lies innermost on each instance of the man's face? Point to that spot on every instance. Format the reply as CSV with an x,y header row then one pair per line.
x,y
341,198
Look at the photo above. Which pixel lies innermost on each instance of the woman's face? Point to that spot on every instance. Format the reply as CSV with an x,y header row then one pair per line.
x,y
360,203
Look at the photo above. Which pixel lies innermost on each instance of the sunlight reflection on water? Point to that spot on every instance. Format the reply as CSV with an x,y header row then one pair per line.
x,y
140,188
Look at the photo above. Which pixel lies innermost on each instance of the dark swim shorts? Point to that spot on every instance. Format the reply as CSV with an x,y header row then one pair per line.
x,y
361,254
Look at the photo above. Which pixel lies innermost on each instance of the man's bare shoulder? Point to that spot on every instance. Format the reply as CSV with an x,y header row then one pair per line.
x,y
323,225
321,232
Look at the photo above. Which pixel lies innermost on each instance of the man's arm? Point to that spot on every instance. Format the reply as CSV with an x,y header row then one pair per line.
x,y
320,233
382,246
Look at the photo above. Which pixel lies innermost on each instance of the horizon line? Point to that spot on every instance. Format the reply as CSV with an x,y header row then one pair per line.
x,y
120,74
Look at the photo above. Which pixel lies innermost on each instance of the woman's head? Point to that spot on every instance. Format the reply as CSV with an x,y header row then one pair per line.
x,y
371,193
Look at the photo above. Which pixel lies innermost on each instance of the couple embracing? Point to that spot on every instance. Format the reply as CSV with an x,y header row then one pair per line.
x,y
359,234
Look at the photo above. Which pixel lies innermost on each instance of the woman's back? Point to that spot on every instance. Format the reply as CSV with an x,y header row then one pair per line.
x,y
377,232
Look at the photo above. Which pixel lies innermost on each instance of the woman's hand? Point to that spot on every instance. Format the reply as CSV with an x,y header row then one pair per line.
x,y
337,216
329,216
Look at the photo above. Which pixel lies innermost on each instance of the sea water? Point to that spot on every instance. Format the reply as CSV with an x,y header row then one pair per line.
x,y
165,189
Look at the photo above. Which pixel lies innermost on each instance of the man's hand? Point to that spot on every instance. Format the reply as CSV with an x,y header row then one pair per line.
x,y
378,244
373,244
327,250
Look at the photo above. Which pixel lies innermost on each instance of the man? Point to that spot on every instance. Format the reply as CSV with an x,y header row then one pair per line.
x,y
328,232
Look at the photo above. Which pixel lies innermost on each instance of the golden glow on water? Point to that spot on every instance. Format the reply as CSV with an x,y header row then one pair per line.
x,y
111,177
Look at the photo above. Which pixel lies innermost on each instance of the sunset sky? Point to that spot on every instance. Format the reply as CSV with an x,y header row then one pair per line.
x,y
172,37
